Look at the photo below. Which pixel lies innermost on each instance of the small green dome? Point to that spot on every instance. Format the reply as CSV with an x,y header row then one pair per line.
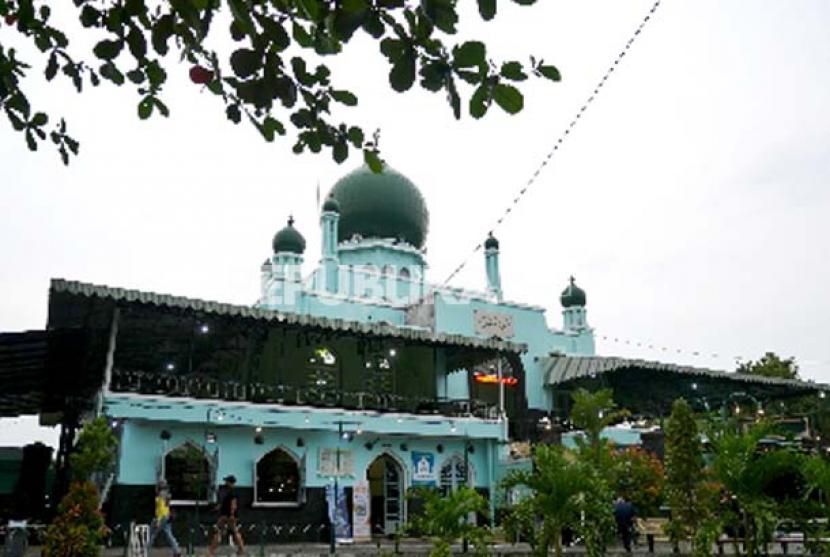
x,y
573,296
383,205
491,242
331,204
289,239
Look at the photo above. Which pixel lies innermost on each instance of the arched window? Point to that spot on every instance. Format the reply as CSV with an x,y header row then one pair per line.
x,y
188,472
454,474
278,479
404,273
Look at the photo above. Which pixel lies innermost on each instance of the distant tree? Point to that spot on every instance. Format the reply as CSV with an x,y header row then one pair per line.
x,y
771,365
271,77
688,494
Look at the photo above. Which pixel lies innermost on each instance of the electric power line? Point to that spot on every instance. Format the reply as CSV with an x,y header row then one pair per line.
x,y
521,193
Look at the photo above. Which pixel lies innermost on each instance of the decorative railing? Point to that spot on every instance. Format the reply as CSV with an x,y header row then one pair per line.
x,y
200,387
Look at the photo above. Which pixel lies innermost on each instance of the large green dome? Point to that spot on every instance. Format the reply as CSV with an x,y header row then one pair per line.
x,y
384,205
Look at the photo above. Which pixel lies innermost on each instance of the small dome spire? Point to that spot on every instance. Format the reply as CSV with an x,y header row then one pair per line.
x,y
573,296
491,242
331,204
289,239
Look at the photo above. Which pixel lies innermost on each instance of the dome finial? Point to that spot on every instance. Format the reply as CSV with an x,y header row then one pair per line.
x,y
491,242
290,220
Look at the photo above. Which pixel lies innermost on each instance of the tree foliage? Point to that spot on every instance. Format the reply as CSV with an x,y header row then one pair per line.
x,y
271,77
771,365
592,412
563,491
444,519
639,476
95,450
78,530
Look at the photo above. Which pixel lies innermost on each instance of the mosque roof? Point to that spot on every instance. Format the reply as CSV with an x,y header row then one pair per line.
x,y
380,329
381,205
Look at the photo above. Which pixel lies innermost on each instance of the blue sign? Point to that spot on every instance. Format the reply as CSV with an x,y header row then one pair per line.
x,y
338,513
423,468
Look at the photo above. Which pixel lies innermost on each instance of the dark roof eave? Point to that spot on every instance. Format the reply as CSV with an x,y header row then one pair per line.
x,y
250,312
562,369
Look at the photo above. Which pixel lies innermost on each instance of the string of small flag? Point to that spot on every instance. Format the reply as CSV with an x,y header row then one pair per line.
x,y
561,139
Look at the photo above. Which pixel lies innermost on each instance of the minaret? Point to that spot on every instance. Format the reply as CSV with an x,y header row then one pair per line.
x,y
329,262
286,266
573,308
491,266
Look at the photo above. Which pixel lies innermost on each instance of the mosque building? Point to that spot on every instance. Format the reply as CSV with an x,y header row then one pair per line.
x,y
359,373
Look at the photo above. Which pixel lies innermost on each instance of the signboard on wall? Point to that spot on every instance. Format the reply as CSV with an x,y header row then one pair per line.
x,y
327,462
423,468
361,505
493,324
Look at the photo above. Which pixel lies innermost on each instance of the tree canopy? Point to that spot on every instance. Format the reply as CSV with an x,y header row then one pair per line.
x,y
771,365
272,77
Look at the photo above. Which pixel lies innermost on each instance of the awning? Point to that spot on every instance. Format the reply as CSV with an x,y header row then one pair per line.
x,y
651,386
385,330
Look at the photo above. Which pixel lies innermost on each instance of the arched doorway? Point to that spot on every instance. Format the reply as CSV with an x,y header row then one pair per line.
x,y
386,488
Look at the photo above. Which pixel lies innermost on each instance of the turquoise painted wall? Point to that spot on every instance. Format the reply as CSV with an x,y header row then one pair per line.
x,y
144,418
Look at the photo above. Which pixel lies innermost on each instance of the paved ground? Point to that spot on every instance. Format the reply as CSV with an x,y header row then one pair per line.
x,y
405,549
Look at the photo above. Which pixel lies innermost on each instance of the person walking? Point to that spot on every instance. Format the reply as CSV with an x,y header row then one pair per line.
x,y
624,515
161,520
228,519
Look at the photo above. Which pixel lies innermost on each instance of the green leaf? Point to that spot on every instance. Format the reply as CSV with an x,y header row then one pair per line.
x,y
31,141
39,119
51,67
303,38
373,25
344,97
107,49
513,71
245,62
156,74
310,9
89,16
233,113
508,98
136,76
137,43
470,53
402,75
161,106
550,72
340,151
480,101
355,135
145,108
373,161
487,9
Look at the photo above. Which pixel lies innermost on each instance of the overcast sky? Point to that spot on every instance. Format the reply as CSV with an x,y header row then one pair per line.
x,y
690,203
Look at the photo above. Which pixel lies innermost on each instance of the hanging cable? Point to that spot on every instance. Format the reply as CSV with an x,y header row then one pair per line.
x,y
521,193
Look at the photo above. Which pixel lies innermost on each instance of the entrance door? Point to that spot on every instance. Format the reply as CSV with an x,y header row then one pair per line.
x,y
386,487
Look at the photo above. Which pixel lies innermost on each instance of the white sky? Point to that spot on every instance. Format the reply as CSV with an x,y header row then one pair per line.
x,y
690,203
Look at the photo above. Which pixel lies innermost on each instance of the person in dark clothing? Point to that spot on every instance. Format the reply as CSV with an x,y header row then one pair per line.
x,y
624,515
227,519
